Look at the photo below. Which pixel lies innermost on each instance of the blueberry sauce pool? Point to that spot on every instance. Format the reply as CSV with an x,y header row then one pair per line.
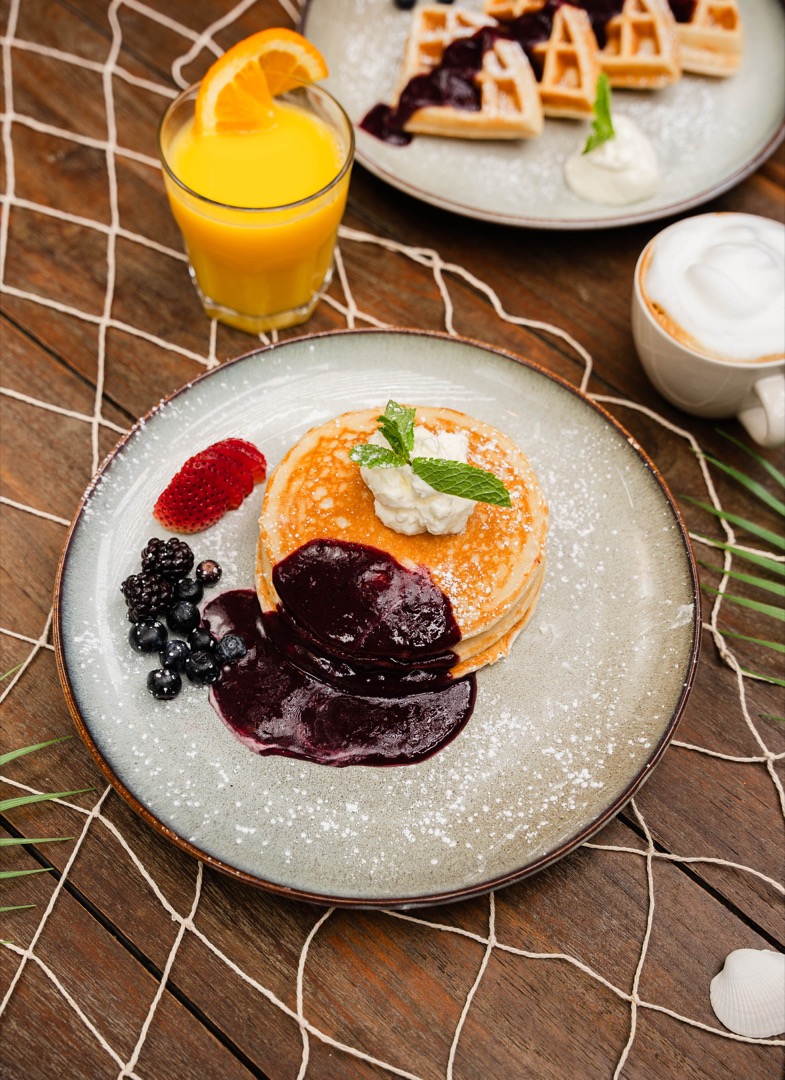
x,y
275,707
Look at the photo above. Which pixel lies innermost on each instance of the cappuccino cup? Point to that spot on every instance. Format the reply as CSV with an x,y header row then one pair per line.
x,y
708,319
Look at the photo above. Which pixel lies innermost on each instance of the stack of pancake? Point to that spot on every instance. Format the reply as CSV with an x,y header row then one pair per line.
x,y
491,572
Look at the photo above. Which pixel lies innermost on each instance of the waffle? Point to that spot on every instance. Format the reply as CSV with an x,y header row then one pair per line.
x,y
711,42
571,65
510,106
432,30
491,572
642,48
506,10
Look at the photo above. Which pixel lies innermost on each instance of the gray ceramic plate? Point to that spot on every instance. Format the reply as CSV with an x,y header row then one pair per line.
x,y
708,133
564,730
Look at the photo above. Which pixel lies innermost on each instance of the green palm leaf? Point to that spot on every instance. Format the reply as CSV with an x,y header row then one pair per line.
x,y
751,485
13,754
23,873
744,601
765,563
757,530
765,678
7,841
777,646
749,579
28,800
772,470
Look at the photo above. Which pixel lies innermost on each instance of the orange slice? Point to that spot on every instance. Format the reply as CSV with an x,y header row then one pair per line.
x,y
236,93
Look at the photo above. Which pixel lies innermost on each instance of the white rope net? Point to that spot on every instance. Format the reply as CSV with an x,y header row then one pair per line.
x,y
202,44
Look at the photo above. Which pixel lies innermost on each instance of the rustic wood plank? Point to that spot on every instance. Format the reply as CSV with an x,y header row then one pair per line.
x,y
114,992
392,988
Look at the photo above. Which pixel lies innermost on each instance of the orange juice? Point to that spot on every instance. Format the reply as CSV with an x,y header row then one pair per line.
x,y
259,211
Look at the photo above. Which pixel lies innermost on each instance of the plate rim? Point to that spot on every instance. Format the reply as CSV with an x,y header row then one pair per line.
x,y
426,899
523,221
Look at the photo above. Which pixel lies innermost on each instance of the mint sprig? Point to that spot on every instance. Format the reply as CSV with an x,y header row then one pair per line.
x,y
602,124
449,477
397,426
459,478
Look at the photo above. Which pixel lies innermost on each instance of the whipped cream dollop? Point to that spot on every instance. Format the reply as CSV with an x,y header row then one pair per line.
x,y
720,278
406,503
620,171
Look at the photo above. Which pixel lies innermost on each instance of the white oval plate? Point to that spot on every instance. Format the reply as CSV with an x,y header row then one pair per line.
x,y
708,133
564,730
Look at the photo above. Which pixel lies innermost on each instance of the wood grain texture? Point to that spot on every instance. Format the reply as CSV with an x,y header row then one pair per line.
x,y
553,1000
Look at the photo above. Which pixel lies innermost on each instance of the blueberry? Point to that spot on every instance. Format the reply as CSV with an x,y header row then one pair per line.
x,y
164,684
203,667
189,589
183,617
174,654
208,572
231,648
147,636
202,640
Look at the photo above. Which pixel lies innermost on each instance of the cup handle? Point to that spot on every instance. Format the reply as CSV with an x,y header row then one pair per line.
x,y
766,421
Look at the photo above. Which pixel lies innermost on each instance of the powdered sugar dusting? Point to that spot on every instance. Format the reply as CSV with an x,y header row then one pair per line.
x,y
703,130
560,727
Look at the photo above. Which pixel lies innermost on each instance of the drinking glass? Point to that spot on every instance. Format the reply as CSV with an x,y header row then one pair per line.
x,y
260,268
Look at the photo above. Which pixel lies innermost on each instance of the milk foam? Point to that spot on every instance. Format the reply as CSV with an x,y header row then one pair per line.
x,y
720,280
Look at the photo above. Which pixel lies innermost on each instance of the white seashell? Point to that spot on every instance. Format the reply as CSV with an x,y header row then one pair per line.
x,y
748,995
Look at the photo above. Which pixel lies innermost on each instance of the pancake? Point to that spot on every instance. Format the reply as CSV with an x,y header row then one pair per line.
x,y
491,572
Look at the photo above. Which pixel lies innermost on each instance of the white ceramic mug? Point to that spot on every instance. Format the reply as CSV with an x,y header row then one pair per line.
x,y
703,386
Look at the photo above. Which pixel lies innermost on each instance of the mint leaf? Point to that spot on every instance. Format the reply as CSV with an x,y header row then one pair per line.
x,y
602,124
397,426
449,477
376,457
404,419
459,478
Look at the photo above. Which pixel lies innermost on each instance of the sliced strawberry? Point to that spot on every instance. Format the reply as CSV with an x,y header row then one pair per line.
x,y
238,470
221,473
195,499
245,452
211,482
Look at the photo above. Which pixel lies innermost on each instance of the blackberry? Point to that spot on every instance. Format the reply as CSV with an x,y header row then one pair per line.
x,y
231,648
203,667
147,636
171,559
164,684
146,595
208,572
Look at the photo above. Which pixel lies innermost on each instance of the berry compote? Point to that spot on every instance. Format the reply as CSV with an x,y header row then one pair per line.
x,y
453,81
354,667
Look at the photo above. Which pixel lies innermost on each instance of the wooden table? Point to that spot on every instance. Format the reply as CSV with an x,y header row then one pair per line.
x,y
598,966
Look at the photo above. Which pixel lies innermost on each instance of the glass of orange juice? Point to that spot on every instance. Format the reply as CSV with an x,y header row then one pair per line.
x,y
259,210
